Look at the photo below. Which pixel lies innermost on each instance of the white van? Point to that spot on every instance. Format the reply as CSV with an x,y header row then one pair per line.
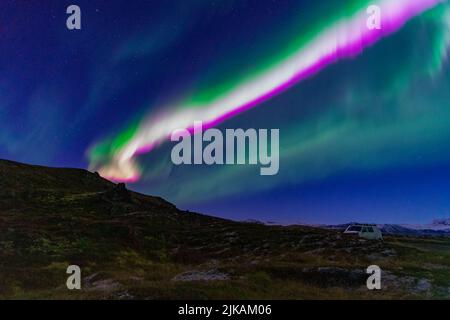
x,y
366,231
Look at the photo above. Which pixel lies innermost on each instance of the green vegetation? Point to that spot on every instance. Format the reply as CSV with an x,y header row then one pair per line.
x,y
132,246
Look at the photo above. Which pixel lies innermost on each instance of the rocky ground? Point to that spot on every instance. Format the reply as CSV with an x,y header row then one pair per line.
x,y
131,246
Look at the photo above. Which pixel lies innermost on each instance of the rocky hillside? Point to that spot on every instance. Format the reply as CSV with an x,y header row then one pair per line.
x,y
133,246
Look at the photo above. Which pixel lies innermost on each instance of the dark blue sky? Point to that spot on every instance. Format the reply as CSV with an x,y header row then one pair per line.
x,y
363,140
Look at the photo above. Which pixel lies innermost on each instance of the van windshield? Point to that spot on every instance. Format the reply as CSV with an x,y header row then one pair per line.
x,y
354,228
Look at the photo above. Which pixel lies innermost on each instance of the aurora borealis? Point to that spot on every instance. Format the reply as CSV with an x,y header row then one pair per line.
x,y
363,114
342,39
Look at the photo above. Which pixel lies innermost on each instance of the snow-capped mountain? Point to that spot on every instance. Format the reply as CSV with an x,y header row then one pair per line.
x,y
438,227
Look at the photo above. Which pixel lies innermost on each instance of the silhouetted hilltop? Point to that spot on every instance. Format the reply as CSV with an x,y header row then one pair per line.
x,y
133,246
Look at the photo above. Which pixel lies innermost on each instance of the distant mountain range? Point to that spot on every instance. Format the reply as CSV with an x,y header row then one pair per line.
x,y
438,227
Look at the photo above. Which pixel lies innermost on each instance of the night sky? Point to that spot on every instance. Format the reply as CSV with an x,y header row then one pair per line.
x,y
364,131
